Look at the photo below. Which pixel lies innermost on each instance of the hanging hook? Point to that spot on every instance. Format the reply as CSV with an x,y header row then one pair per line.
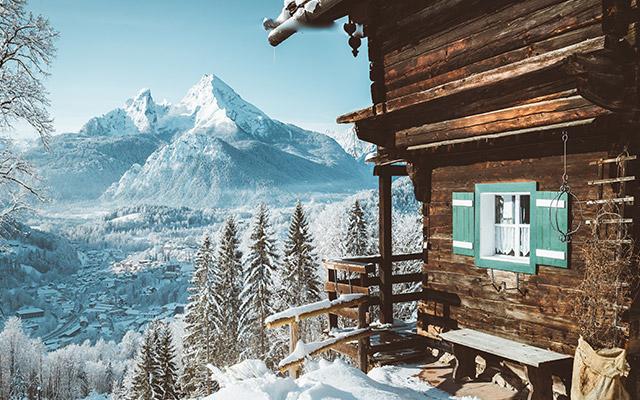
x,y
565,191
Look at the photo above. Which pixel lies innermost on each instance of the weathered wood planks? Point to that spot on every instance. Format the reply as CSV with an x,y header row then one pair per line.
x,y
458,294
504,348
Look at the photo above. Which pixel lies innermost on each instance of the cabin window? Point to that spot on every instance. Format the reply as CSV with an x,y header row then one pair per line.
x,y
505,226
508,226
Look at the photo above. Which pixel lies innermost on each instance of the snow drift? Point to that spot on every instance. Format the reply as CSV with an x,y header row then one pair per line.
x,y
330,380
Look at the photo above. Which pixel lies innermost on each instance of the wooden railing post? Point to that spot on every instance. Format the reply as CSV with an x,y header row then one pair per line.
x,y
386,250
294,337
363,343
333,319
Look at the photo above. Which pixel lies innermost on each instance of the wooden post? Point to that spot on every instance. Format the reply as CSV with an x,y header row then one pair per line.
x,y
541,383
333,318
465,363
294,336
386,250
363,343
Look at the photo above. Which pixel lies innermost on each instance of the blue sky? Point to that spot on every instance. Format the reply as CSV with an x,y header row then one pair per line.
x,y
108,50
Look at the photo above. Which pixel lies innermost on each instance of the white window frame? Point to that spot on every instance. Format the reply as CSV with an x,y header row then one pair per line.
x,y
488,227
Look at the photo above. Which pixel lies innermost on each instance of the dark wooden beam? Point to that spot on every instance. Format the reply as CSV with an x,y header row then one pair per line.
x,y
386,249
390,170
539,114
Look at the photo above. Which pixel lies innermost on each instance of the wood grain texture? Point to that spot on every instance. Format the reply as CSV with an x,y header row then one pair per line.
x,y
459,294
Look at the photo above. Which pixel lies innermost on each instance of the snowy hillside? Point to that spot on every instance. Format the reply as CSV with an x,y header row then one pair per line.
x,y
81,167
36,253
232,153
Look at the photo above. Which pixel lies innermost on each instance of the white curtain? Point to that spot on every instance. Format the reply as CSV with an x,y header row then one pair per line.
x,y
506,240
524,240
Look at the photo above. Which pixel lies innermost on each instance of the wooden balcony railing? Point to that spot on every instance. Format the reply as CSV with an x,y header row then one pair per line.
x,y
362,274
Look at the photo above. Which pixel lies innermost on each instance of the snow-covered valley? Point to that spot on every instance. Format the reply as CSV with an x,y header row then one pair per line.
x,y
133,194
135,190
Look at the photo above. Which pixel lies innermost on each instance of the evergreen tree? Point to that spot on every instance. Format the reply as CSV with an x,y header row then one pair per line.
x,y
145,384
258,291
119,390
228,287
165,353
83,381
109,379
199,337
33,389
300,283
357,240
17,386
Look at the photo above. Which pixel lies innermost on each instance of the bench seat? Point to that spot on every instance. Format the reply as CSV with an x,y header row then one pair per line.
x,y
540,364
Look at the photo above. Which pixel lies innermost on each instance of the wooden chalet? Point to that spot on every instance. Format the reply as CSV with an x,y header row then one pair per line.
x,y
486,105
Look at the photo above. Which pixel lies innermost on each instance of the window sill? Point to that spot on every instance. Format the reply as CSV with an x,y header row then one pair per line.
x,y
509,259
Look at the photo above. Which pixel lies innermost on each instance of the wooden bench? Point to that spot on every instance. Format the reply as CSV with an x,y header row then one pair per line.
x,y
540,364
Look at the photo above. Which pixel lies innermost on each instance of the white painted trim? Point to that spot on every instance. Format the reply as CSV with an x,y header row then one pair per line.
x,y
462,245
556,255
550,203
503,258
462,203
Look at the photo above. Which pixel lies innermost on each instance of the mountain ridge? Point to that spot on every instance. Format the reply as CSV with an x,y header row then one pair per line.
x,y
211,149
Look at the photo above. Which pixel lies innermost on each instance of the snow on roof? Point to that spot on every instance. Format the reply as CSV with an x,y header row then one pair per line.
x,y
294,15
29,310
295,312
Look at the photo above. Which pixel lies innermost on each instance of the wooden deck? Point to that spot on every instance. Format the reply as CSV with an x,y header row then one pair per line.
x,y
441,376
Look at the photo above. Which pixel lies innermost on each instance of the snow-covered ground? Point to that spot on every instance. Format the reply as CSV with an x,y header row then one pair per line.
x,y
325,380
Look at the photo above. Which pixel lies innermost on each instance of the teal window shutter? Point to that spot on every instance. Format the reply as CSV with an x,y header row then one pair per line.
x,y
463,223
551,210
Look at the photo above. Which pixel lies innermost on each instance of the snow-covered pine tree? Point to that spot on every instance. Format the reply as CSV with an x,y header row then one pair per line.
x,y
407,238
145,383
83,381
34,386
165,354
227,290
258,292
199,340
118,388
357,239
299,280
109,378
17,386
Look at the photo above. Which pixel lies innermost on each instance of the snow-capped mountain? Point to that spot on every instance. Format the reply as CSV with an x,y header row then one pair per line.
x,y
212,148
349,141
140,114
233,153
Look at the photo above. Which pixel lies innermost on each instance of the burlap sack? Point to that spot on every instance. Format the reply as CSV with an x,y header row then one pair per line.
x,y
597,375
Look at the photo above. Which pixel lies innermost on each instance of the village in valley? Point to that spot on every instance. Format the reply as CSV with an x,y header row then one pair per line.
x,y
86,305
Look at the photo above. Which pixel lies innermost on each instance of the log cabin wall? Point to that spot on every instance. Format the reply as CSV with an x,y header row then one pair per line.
x,y
477,91
452,39
450,69
460,294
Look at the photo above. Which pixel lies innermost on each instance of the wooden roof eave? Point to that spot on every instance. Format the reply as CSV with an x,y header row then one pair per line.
x,y
475,81
595,84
